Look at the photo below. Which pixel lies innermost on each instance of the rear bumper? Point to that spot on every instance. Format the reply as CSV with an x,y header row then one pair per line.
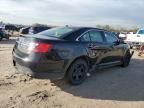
x,y
37,69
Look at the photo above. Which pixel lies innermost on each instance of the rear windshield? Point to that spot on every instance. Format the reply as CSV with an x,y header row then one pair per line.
x,y
56,32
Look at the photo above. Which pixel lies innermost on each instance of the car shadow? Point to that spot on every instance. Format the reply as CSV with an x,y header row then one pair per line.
x,y
120,84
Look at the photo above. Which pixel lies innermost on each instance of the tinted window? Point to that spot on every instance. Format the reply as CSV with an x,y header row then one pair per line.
x,y
85,37
57,32
96,36
110,37
141,32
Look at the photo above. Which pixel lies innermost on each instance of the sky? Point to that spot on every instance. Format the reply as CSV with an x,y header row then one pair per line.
x,y
127,13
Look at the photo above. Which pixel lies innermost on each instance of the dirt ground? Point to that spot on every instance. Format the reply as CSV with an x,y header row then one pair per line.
x,y
109,88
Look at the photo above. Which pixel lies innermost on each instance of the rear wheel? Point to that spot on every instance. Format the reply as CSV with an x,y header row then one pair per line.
x,y
77,72
126,59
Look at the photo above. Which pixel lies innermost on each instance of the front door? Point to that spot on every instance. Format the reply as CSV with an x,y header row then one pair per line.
x,y
114,52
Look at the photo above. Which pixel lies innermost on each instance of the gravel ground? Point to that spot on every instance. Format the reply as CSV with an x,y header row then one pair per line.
x,y
109,88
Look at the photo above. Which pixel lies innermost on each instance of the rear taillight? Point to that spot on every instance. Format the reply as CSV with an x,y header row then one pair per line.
x,y
40,47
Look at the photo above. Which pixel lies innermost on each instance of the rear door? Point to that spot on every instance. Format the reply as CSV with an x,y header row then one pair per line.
x,y
93,40
97,46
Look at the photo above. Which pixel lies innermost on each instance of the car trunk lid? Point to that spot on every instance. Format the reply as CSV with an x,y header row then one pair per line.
x,y
27,44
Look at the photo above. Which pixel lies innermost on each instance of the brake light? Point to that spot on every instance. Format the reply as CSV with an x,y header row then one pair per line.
x,y
41,47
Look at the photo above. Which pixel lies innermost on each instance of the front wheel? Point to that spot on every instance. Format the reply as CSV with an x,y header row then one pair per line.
x,y
126,59
77,72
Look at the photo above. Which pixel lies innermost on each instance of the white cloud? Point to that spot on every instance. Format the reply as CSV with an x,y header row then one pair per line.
x,y
74,12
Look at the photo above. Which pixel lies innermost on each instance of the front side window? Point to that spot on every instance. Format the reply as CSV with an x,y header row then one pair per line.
x,y
96,36
110,38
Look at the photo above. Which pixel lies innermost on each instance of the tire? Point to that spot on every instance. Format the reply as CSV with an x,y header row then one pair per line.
x,y
76,74
126,59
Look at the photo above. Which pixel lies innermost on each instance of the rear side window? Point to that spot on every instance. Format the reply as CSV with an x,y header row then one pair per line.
x,y
96,36
110,38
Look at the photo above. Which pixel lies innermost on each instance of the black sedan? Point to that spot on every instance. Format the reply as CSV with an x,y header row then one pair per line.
x,y
69,52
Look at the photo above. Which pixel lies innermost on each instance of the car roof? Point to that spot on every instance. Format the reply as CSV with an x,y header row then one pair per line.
x,y
87,28
77,31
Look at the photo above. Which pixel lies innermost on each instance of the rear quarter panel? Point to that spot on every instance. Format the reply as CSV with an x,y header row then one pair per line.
x,y
68,52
